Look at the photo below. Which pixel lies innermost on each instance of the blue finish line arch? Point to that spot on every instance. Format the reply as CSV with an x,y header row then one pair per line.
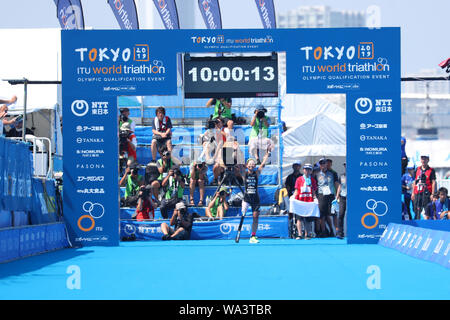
x,y
99,65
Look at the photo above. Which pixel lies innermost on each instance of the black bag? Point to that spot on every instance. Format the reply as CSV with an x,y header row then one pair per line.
x,y
151,173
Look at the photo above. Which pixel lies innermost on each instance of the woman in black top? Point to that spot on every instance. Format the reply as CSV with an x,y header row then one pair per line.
x,y
251,196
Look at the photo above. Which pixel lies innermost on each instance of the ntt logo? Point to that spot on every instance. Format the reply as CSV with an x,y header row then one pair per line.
x,y
363,105
79,108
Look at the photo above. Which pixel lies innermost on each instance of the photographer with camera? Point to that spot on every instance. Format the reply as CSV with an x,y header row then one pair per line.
x,y
424,186
125,117
162,132
127,144
163,166
182,221
145,209
218,206
197,175
259,135
173,185
222,108
133,181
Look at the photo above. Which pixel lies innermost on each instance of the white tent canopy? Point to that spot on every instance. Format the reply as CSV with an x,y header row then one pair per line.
x,y
314,136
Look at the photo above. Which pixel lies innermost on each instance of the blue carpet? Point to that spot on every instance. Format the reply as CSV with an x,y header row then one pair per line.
x,y
277,269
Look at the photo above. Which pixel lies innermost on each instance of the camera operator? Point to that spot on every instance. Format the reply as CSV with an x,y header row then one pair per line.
x,y
125,117
424,186
218,206
145,209
127,144
162,132
133,181
259,134
173,184
163,165
197,175
222,108
182,221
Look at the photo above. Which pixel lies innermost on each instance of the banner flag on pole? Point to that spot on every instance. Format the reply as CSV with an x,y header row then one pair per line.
x,y
266,11
70,14
210,11
167,10
126,13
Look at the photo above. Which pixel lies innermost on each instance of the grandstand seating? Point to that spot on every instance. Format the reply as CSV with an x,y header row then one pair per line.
x,y
189,123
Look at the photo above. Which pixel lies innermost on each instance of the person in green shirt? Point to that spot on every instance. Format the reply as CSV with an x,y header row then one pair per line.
x,y
222,108
259,134
218,206
132,181
173,185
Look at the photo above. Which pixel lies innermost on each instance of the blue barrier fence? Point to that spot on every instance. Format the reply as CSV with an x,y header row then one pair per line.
x,y
25,241
426,244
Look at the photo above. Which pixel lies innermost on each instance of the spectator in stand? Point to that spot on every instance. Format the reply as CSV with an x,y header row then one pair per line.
x,y
128,143
17,129
162,132
292,178
219,139
407,186
3,120
212,141
132,181
229,131
164,165
259,135
125,117
341,197
305,189
424,186
218,206
222,108
197,176
182,221
404,157
145,209
327,186
173,185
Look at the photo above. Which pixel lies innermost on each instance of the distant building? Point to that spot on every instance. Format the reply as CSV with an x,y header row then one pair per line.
x,y
317,17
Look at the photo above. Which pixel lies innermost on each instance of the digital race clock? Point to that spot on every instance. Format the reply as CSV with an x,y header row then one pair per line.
x,y
221,77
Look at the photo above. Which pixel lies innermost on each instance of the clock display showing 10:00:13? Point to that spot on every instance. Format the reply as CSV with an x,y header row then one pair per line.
x,y
224,74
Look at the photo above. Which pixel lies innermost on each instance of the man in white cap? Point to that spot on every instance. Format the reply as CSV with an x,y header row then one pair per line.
x,y
424,186
182,222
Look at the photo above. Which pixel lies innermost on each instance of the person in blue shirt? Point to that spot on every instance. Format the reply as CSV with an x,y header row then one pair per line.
x,y
442,205
407,181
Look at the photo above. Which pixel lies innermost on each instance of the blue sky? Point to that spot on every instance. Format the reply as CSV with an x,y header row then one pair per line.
x,y
424,23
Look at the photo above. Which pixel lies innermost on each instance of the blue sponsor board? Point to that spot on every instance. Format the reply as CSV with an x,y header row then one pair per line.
x,y
426,244
268,227
99,65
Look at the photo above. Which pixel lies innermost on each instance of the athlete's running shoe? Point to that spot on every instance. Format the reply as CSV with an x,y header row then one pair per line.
x,y
254,239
